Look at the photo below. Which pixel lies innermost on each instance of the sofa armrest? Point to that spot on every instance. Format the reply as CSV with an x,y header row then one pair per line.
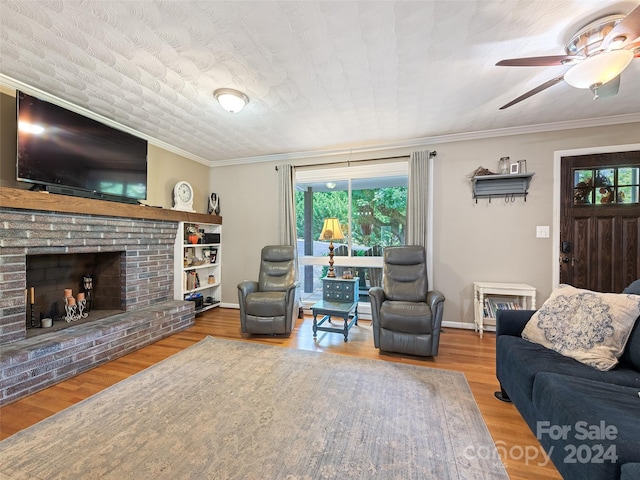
x,y
245,288
512,322
376,297
291,295
434,298
630,471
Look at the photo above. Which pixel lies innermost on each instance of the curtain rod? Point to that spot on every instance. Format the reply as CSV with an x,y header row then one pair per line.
x,y
432,154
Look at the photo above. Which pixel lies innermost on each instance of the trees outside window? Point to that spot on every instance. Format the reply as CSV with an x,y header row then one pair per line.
x,y
371,205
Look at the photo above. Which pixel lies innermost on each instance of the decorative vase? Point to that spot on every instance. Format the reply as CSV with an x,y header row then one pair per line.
x,y
503,165
193,238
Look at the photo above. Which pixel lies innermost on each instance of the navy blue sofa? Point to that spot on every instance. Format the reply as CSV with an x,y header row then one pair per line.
x,y
587,420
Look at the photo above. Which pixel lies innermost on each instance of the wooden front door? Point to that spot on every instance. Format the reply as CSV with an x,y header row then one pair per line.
x,y
600,220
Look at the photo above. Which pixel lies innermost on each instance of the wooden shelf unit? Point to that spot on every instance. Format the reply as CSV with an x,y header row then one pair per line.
x,y
188,267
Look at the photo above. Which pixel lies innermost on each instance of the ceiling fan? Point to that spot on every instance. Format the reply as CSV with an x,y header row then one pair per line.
x,y
597,54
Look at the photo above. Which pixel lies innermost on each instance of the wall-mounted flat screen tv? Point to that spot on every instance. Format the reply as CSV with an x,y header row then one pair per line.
x,y
68,153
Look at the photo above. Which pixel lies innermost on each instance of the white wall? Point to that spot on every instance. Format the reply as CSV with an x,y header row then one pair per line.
x,y
472,242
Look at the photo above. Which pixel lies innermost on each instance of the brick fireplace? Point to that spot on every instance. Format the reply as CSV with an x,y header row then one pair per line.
x,y
139,251
147,260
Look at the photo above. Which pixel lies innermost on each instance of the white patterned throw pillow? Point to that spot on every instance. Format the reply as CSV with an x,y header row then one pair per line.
x,y
590,327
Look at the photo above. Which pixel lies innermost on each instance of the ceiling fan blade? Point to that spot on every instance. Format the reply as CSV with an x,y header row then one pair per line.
x,y
530,93
609,89
628,27
547,61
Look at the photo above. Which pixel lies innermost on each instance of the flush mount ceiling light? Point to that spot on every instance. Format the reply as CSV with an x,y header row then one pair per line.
x,y
231,100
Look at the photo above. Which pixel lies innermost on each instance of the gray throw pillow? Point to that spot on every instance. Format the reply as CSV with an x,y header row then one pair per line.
x,y
634,287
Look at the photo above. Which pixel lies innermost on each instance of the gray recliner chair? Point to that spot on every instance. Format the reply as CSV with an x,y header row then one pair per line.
x,y
406,317
269,306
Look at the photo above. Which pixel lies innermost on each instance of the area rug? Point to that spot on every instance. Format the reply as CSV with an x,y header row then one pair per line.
x,y
224,409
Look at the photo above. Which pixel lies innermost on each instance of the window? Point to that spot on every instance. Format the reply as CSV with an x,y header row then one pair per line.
x,y
371,204
600,186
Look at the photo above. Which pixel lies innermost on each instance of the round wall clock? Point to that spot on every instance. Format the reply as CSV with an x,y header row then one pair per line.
x,y
183,197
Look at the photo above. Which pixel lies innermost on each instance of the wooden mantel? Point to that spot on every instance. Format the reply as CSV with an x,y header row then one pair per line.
x,y
48,202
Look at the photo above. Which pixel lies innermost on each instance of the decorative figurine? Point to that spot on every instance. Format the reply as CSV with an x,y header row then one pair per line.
x,y
87,285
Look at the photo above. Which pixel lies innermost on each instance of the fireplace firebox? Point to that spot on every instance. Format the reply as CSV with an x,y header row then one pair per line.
x,y
93,281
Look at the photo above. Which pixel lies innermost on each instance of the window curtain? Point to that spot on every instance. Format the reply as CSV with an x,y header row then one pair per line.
x,y
418,206
418,199
287,211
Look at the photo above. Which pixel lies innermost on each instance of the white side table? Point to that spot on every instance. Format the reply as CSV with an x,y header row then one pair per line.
x,y
520,293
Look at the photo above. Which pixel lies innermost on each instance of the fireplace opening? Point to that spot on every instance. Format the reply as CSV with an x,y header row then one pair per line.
x,y
71,289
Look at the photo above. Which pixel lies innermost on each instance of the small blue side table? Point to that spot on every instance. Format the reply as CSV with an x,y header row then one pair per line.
x,y
339,299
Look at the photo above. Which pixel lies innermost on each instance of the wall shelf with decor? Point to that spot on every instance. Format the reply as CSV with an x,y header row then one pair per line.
x,y
501,186
198,264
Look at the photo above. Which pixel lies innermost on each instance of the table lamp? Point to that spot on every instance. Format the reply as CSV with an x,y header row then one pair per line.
x,y
331,230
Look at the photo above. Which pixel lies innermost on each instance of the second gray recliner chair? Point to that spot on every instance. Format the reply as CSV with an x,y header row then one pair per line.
x,y
269,305
406,317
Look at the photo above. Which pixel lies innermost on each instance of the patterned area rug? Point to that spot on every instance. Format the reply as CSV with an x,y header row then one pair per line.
x,y
225,409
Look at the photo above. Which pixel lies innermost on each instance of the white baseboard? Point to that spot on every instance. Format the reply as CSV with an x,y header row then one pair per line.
x,y
468,326
230,305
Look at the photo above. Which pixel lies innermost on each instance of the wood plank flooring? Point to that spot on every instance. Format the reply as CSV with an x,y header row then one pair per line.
x,y
460,350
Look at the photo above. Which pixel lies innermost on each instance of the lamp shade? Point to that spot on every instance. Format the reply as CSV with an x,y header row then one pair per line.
x,y
598,69
331,230
231,100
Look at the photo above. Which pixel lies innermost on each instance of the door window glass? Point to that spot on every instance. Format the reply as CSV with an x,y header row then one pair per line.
x,y
602,186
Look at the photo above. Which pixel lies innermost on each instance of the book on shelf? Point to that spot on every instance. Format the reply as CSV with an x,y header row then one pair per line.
x,y
191,280
492,305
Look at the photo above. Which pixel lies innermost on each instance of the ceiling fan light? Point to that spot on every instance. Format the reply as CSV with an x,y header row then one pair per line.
x,y
231,100
599,68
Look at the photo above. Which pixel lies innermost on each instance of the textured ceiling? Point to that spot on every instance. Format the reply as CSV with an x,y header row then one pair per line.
x,y
320,75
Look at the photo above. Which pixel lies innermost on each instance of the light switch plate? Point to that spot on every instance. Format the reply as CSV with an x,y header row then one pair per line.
x,y
542,231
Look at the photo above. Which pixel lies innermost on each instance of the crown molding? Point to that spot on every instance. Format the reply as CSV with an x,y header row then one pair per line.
x,y
8,82
421,143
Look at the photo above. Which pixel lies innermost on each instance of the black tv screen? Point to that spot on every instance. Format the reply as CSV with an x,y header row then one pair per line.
x,y
70,153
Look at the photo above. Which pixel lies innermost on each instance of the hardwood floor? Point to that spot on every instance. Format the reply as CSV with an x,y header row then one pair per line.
x,y
460,350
